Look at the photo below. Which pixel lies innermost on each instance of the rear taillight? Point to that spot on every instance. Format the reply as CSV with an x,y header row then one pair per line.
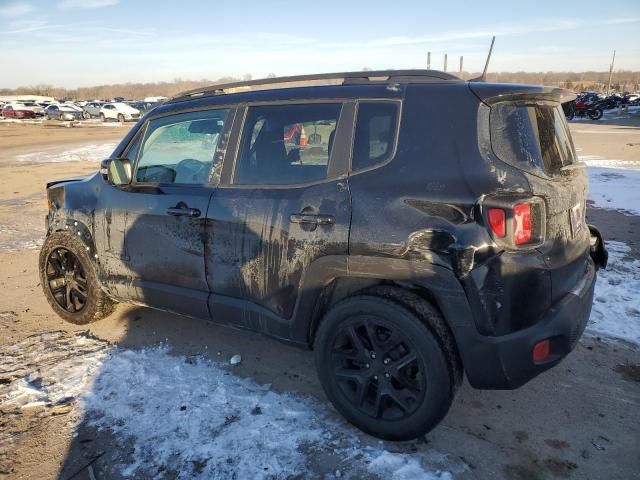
x,y
498,221
515,222
522,223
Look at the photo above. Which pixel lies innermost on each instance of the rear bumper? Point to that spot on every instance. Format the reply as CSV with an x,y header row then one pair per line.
x,y
506,362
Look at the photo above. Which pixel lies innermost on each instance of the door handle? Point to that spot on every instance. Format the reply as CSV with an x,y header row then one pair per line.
x,y
183,212
312,219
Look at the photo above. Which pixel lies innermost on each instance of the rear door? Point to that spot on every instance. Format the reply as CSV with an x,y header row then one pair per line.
x,y
286,205
154,228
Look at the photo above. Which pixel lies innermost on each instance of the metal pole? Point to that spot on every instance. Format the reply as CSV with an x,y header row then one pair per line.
x,y
445,62
611,72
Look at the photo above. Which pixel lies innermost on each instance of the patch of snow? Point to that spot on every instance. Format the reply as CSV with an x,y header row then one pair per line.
x,y
194,418
616,305
48,368
613,184
88,153
25,237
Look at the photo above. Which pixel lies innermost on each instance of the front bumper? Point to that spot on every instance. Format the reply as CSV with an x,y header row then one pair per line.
x,y
506,361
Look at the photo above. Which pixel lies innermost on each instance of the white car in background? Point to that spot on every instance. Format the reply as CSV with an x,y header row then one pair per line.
x,y
118,111
34,107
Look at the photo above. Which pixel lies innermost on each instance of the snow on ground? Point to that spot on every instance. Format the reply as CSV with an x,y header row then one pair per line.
x,y
614,184
48,369
196,418
616,305
87,153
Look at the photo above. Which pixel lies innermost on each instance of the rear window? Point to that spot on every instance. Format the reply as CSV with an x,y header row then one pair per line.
x,y
532,137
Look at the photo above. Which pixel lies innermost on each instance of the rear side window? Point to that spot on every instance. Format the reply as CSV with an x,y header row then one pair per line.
x,y
286,144
375,133
531,137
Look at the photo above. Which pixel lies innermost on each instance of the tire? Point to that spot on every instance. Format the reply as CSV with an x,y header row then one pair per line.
x,y
121,118
382,367
103,118
595,114
69,280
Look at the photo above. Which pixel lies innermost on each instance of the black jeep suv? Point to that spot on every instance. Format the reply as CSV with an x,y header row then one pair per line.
x,y
408,226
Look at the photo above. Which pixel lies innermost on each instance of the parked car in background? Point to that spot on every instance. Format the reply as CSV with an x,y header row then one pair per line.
x,y
143,107
92,109
118,111
63,112
17,110
33,106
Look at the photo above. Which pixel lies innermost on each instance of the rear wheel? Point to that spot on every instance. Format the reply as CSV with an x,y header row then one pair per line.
x,y
69,280
382,368
595,114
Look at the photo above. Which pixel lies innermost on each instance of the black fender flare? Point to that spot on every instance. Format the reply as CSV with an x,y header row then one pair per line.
x,y
441,283
56,223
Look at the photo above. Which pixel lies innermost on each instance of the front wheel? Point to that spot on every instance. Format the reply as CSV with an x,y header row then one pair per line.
x,y
382,368
69,280
595,114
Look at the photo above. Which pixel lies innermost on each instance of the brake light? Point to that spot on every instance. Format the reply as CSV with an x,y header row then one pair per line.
x,y
522,223
498,222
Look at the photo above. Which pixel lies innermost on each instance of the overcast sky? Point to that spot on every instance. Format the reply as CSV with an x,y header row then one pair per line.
x,y
73,43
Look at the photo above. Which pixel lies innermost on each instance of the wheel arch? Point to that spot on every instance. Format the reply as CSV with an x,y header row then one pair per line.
x,y
332,279
58,223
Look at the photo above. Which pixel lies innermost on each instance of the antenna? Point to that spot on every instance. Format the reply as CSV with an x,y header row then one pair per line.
x,y
483,77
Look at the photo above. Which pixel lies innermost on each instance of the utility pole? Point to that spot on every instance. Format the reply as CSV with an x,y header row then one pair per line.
x,y
428,60
461,60
445,62
611,72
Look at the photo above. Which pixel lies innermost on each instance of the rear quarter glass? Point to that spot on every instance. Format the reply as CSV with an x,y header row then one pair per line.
x,y
531,136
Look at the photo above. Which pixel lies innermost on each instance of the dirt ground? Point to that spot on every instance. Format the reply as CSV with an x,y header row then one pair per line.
x,y
581,420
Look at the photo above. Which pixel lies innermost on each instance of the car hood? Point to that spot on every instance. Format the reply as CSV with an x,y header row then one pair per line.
x,y
129,110
67,180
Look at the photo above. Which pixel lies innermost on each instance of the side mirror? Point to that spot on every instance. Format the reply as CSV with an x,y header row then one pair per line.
x,y
119,171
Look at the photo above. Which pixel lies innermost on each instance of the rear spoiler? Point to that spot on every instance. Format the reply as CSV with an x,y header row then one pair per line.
x,y
503,92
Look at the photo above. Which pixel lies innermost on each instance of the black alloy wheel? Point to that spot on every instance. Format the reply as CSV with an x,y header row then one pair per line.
x,y
67,280
376,367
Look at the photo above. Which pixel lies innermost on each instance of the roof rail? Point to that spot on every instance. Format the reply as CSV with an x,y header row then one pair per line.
x,y
345,78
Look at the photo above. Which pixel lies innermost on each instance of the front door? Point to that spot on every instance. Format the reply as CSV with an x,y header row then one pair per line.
x,y
156,224
287,205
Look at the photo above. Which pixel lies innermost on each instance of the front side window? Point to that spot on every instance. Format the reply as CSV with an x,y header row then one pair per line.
x,y
374,140
287,144
181,148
